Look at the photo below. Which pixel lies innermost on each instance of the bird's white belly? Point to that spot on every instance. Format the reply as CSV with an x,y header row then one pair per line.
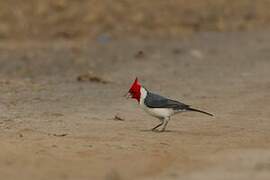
x,y
156,112
159,112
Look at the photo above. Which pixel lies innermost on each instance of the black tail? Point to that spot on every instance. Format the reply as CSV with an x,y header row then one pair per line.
x,y
197,110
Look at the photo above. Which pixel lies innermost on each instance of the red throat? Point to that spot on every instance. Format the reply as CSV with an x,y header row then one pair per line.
x,y
135,90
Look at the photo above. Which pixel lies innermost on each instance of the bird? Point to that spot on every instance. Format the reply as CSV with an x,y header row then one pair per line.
x,y
158,106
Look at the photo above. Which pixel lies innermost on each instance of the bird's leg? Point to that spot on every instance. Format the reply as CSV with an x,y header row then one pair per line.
x,y
166,120
154,128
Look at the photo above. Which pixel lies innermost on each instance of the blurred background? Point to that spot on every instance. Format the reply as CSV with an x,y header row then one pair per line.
x,y
66,64
68,19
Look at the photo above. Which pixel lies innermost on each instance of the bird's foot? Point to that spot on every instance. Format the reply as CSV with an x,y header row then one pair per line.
x,y
158,130
154,130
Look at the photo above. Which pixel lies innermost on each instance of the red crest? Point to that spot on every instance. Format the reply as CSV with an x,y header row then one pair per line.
x,y
135,90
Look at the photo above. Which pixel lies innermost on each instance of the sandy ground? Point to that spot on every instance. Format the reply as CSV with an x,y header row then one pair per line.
x,y
54,127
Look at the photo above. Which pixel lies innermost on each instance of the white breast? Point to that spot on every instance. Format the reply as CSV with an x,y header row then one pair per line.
x,y
156,112
159,112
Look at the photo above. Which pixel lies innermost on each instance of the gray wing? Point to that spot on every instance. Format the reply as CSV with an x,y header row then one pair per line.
x,y
156,101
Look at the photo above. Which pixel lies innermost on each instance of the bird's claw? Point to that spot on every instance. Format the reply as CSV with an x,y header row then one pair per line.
x,y
157,130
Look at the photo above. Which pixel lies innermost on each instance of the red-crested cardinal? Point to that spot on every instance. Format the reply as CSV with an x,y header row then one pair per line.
x,y
158,106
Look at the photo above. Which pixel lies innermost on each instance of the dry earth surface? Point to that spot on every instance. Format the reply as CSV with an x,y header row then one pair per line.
x,y
56,127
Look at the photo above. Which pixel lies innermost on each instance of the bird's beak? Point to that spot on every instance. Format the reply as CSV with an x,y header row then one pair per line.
x,y
127,95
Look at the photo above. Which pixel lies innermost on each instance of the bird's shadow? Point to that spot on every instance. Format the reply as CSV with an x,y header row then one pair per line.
x,y
197,133
157,131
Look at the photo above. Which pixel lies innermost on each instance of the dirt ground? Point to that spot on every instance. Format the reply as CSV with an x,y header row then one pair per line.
x,y
56,127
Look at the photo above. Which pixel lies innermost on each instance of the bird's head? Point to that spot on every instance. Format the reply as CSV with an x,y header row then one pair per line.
x,y
135,90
